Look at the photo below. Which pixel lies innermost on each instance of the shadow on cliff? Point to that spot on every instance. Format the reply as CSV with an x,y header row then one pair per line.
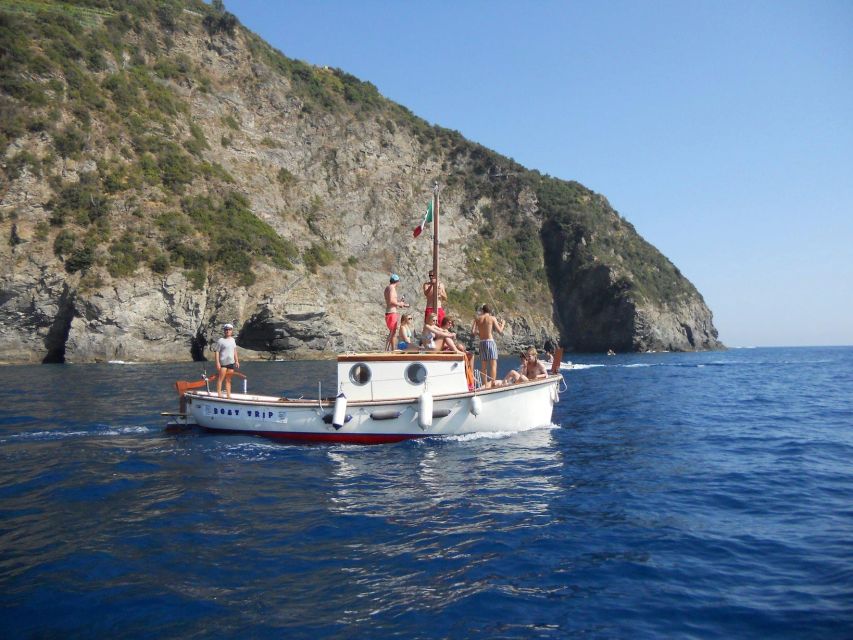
x,y
592,312
197,347
57,335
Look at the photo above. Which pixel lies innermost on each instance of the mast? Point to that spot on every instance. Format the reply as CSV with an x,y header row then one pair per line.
x,y
435,206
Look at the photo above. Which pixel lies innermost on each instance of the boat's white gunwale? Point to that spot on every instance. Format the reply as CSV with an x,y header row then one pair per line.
x,y
329,403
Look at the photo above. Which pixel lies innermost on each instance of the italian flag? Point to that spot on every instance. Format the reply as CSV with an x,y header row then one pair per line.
x,y
427,219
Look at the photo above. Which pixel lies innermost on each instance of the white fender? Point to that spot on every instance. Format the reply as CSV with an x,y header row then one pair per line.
x,y
476,407
340,413
555,394
425,410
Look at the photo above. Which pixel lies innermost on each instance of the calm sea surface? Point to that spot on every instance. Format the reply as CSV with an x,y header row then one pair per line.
x,y
675,496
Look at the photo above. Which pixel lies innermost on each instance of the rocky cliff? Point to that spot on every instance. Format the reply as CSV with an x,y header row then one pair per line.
x,y
165,171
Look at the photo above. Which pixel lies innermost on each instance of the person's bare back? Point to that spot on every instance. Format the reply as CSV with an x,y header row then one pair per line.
x,y
485,324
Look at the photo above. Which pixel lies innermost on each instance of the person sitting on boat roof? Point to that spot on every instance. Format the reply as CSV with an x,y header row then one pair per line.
x,y
406,333
391,306
429,292
227,359
432,331
448,342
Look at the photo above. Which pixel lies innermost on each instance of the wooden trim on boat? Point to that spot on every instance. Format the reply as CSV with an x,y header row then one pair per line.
x,y
558,358
401,356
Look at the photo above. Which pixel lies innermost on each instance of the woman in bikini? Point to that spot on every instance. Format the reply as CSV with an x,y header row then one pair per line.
x,y
406,333
433,336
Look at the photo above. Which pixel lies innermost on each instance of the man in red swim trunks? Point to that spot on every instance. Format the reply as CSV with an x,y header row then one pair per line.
x,y
429,290
392,317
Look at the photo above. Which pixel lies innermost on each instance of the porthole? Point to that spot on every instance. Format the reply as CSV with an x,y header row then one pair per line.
x,y
416,373
359,374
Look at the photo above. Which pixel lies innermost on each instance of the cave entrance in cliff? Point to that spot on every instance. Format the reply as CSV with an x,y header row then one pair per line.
x,y
197,347
57,338
57,335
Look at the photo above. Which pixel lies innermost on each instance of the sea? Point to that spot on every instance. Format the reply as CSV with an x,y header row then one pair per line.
x,y
674,495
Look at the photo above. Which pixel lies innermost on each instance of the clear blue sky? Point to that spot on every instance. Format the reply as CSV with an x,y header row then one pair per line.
x,y
722,130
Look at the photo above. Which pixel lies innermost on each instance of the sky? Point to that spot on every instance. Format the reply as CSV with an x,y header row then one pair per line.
x,y
722,130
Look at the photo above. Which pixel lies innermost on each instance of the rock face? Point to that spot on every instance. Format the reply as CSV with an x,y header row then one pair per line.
x,y
612,290
190,176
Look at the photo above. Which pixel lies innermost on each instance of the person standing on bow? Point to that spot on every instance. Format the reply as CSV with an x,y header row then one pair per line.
x,y
429,292
485,323
392,304
226,359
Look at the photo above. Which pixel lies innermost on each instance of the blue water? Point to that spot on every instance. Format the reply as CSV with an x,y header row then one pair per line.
x,y
675,496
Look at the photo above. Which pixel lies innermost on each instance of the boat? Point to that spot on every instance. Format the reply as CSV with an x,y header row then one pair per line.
x,y
564,366
382,398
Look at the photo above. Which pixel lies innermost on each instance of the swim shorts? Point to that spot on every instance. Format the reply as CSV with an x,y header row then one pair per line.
x,y
430,310
488,350
391,320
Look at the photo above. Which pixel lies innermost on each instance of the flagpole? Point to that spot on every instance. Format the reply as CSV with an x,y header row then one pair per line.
x,y
435,207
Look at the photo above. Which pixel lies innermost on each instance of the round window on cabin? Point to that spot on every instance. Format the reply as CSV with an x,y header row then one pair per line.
x,y
416,373
359,374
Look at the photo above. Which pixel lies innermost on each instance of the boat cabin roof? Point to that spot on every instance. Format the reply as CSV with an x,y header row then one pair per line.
x,y
401,356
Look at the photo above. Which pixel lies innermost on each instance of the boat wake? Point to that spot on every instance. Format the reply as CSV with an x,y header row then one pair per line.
x,y
255,449
483,435
61,435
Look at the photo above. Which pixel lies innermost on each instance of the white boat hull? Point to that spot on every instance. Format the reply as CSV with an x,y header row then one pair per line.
x,y
510,408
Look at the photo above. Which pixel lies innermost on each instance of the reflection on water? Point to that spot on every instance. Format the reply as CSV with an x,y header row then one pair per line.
x,y
505,476
452,507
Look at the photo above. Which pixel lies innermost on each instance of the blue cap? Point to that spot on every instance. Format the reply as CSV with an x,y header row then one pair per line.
x,y
395,277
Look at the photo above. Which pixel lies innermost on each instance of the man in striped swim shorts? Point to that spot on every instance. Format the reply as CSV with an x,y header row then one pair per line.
x,y
484,324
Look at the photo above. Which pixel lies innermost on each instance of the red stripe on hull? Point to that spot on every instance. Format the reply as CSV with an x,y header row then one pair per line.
x,y
328,438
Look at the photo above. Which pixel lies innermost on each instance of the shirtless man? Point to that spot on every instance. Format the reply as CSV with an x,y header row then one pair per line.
x,y
429,290
484,324
391,306
531,368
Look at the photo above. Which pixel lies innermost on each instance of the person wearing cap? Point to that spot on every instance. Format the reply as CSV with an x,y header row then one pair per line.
x,y
429,291
226,359
392,317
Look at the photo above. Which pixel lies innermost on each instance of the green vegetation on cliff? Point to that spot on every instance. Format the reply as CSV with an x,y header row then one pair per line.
x,y
110,66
